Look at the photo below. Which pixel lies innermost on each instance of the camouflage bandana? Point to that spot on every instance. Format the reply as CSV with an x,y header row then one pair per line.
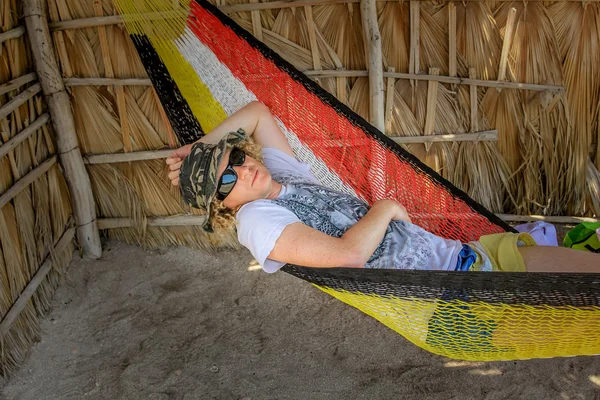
x,y
198,174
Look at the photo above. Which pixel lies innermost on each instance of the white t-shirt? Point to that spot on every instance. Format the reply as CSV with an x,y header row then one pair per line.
x,y
261,222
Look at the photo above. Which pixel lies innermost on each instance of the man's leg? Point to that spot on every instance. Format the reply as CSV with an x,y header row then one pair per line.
x,y
559,259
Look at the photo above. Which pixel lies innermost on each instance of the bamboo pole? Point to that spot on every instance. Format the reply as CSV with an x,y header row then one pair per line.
x,y
19,100
314,48
176,220
551,219
432,95
23,135
17,83
119,90
414,63
341,73
490,135
389,101
26,181
452,39
126,157
474,102
368,12
62,117
508,35
107,82
38,278
12,34
256,25
194,220
453,137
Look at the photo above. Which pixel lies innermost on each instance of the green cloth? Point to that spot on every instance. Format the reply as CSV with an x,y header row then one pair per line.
x,y
584,237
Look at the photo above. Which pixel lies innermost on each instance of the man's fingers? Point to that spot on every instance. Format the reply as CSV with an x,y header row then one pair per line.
x,y
175,182
176,166
174,174
173,159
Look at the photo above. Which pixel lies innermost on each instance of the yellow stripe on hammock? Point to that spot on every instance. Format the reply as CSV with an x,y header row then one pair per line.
x,y
498,331
162,33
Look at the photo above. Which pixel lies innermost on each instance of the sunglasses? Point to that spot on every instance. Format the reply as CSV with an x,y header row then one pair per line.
x,y
229,178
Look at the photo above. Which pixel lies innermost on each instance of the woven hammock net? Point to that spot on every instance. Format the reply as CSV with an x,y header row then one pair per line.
x,y
205,67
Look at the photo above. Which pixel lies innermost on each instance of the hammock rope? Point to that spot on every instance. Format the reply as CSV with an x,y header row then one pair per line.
x,y
205,67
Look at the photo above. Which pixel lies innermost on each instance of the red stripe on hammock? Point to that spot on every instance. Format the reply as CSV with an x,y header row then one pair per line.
x,y
317,123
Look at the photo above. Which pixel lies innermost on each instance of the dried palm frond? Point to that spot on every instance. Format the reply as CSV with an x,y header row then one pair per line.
x,y
143,135
341,27
117,198
60,206
393,19
297,55
546,141
150,107
81,56
577,28
18,276
96,122
124,57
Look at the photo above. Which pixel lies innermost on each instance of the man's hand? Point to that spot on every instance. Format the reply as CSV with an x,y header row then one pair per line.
x,y
398,211
174,162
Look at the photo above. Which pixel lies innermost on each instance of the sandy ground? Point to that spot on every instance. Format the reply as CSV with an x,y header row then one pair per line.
x,y
180,324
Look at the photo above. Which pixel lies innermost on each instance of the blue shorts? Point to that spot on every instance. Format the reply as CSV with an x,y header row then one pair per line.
x,y
466,258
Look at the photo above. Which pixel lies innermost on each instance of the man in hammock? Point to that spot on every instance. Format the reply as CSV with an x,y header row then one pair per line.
x,y
284,215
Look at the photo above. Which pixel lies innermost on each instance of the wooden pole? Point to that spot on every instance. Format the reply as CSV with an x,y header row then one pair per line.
x,y
12,34
474,102
175,220
452,137
32,286
389,101
107,82
508,36
368,13
256,25
23,135
126,157
17,83
552,219
452,39
26,181
59,107
414,63
19,100
440,78
193,220
491,135
432,94
314,48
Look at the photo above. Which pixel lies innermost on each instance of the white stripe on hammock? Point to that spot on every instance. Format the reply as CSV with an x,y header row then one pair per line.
x,y
232,94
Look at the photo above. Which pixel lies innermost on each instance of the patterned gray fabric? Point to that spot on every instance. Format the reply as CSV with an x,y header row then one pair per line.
x,y
404,246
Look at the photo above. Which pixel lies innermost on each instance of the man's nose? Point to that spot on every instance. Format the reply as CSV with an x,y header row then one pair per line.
x,y
243,171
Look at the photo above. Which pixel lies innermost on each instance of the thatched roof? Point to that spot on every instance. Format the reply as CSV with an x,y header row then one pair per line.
x,y
501,98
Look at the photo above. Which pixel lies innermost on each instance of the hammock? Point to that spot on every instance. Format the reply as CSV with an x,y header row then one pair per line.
x,y
205,67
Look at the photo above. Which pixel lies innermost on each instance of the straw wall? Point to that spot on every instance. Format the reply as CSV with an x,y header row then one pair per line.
x,y
36,238
500,97
492,95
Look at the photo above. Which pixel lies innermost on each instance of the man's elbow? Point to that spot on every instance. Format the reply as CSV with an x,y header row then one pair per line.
x,y
257,106
355,258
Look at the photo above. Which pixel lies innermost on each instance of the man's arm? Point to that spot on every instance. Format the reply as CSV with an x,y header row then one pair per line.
x,y
255,118
302,245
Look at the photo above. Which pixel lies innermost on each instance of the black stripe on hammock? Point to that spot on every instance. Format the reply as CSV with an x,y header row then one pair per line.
x,y
184,123
534,289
